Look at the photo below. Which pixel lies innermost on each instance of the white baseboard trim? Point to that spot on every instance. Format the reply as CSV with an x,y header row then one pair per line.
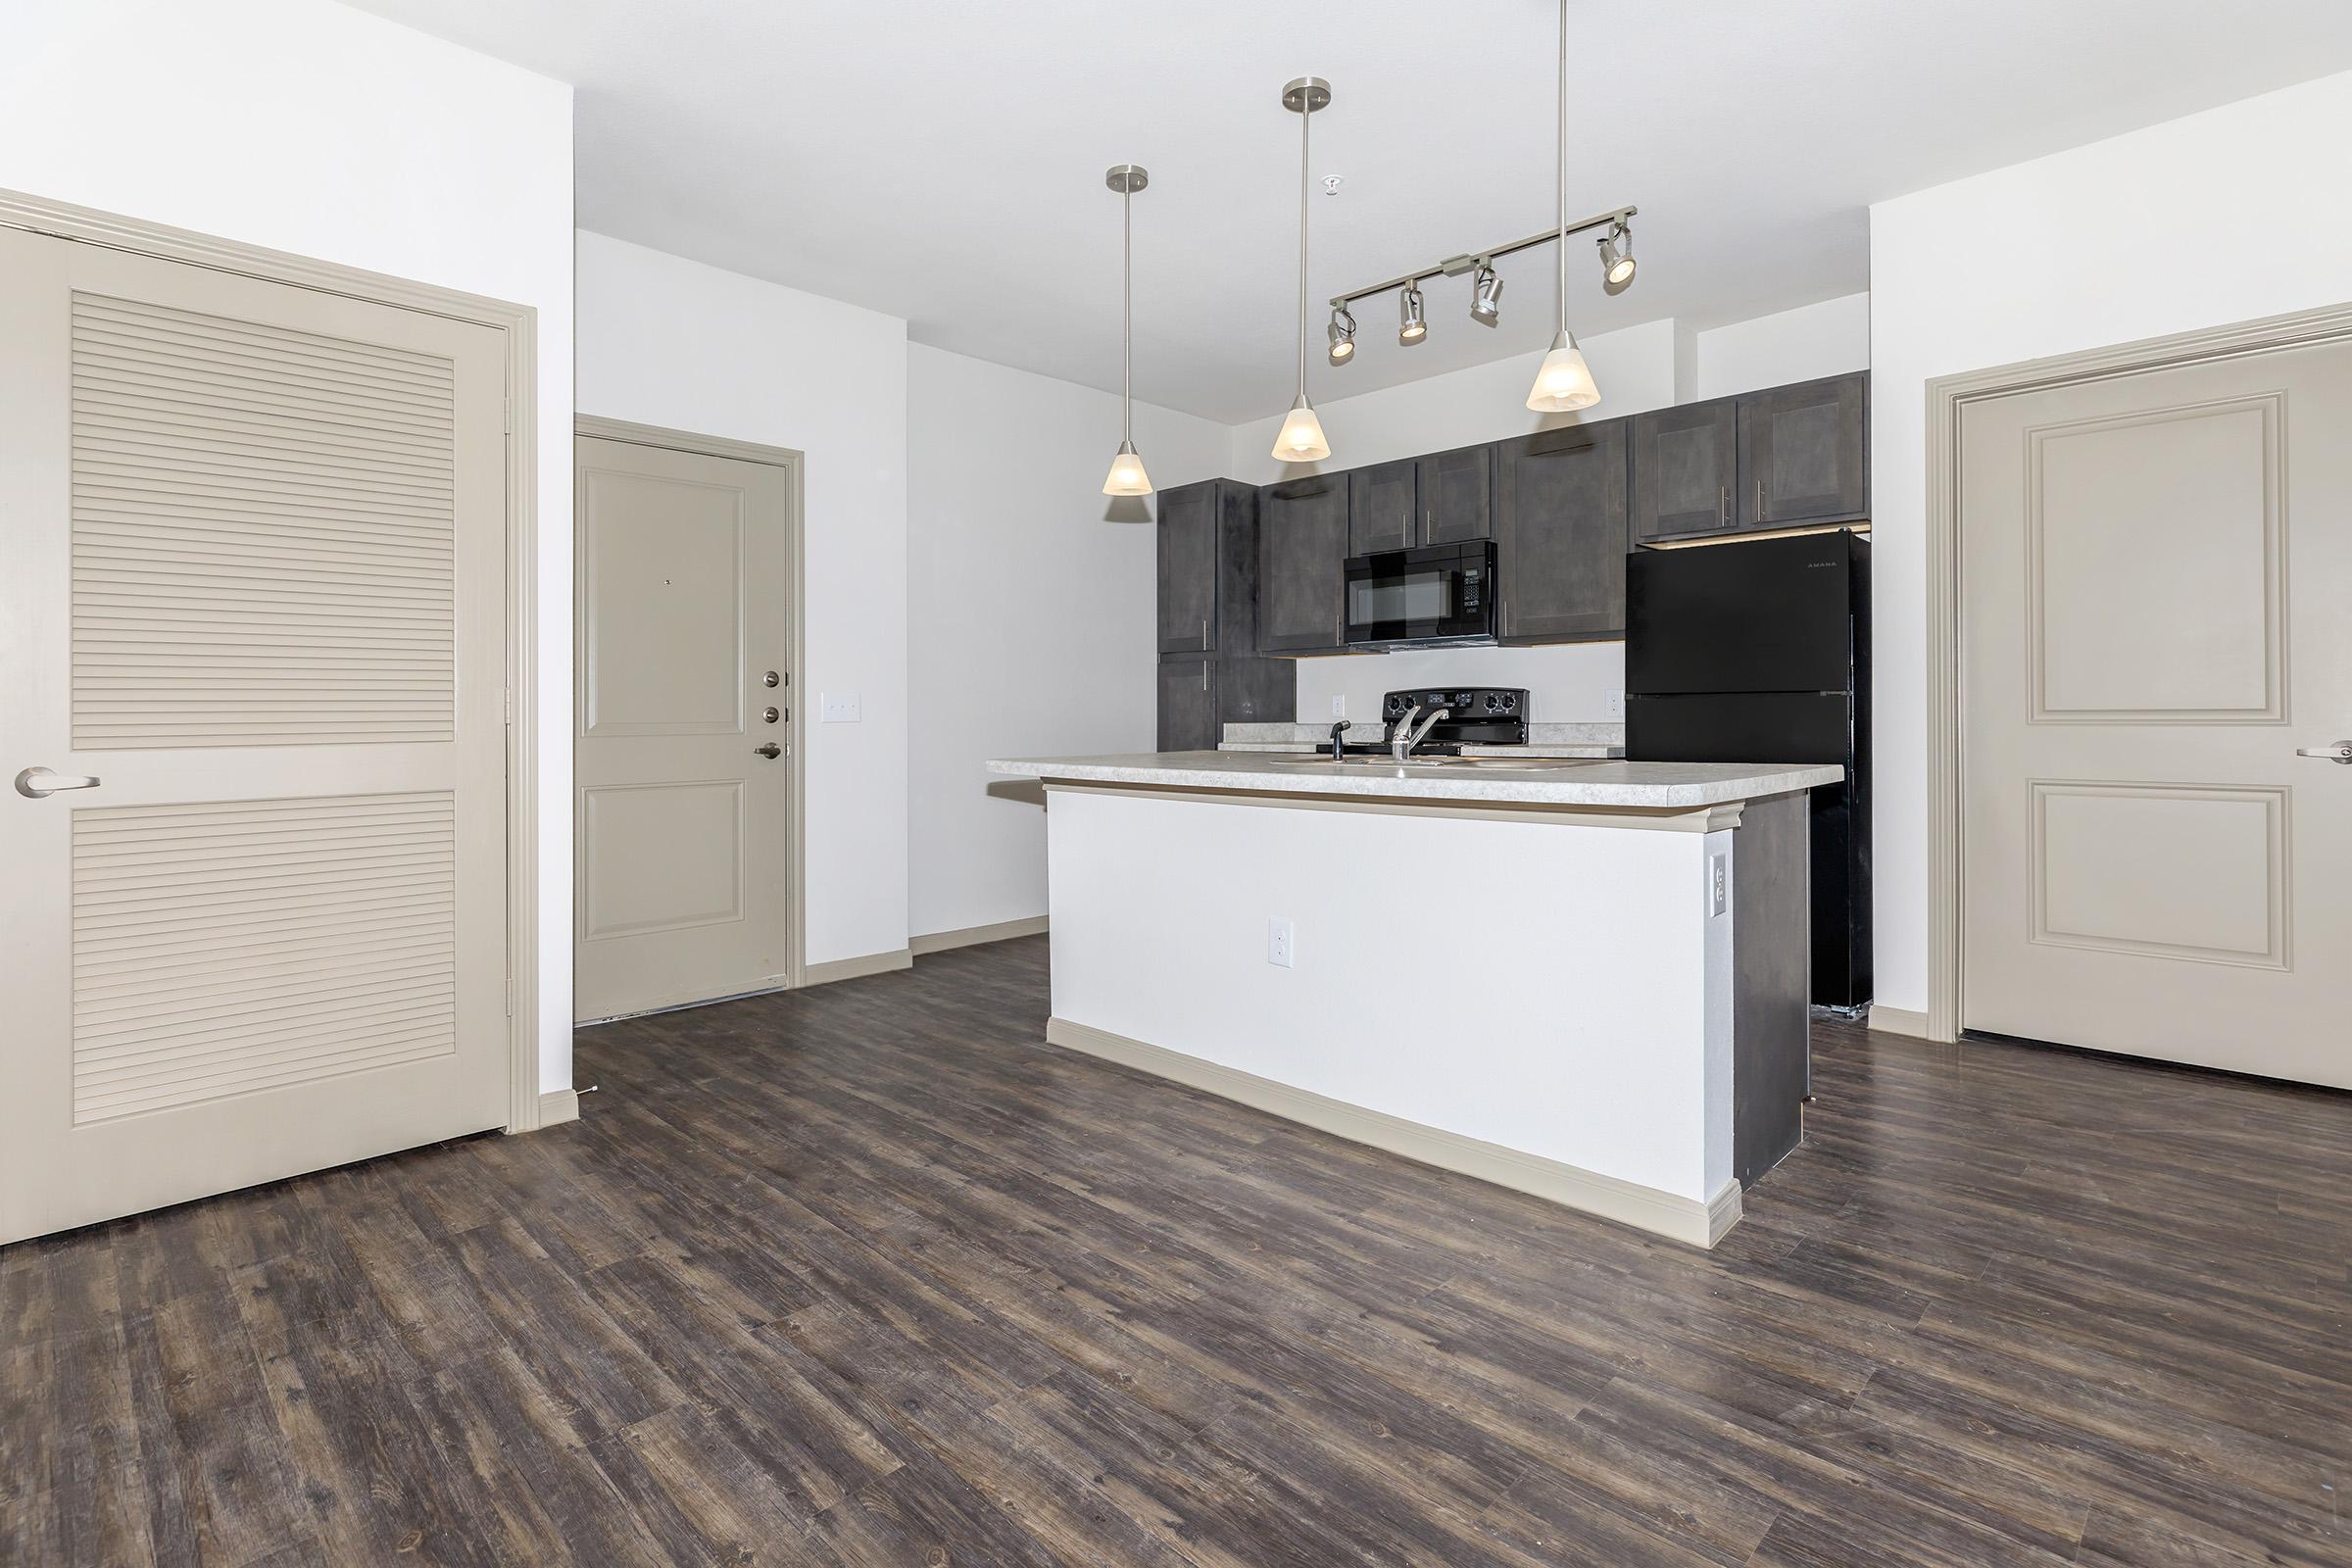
x,y
973,934
856,968
559,1105
1898,1021
1681,1219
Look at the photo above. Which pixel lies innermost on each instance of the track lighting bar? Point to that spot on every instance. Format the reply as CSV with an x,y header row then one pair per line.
x,y
1456,265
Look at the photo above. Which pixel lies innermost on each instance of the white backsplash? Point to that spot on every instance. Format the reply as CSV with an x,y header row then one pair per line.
x,y
1566,682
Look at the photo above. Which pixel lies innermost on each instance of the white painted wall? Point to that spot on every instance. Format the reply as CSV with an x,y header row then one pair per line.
x,y
315,129
1829,338
2221,216
671,342
1031,606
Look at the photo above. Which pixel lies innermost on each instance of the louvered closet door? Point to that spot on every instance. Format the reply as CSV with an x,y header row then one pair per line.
x,y
251,546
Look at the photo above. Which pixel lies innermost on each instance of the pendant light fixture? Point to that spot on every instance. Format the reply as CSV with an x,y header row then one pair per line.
x,y
1301,439
1127,477
1563,381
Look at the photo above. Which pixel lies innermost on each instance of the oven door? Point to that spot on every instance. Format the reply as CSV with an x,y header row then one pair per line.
x,y
1413,598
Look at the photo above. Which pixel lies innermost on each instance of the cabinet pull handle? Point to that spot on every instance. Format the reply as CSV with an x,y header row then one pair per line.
x,y
1759,501
1723,506
1205,675
1205,632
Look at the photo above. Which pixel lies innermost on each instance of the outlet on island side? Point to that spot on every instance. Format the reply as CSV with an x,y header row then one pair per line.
x,y
1719,883
1277,943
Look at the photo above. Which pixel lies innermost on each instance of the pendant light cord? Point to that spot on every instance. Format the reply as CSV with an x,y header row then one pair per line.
x,y
1127,314
1307,119
1563,167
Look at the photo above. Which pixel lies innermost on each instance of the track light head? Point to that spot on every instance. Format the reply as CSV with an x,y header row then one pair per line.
x,y
1485,295
1342,332
1412,319
1616,256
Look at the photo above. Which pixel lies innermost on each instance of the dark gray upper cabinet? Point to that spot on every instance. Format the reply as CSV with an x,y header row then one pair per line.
x,y
1236,570
1686,466
1560,533
1382,507
1302,549
1458,495
1188,705
1804,454
1188,568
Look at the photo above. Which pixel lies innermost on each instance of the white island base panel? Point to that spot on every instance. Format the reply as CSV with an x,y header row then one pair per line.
x,y
1540,997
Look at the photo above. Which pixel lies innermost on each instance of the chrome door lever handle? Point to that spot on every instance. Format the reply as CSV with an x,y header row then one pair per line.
x,y
2340,751
36,782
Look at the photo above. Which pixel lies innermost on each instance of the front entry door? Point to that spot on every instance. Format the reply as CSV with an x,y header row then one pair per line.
x,y
2154,578
684,716
252,811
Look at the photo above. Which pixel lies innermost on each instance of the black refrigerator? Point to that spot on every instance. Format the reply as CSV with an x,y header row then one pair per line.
x,y
1759,652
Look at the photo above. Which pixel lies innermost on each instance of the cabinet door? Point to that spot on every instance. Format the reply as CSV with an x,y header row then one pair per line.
x,y
1188,705
1302,549
1686,464
1236,570
1458,495
1188,568
1561,535
1804,455
1381,508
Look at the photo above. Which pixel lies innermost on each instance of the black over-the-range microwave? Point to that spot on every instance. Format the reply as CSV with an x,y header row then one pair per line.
x,y
1435,596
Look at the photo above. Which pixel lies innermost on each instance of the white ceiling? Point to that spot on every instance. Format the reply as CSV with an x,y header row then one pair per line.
x,y
943,159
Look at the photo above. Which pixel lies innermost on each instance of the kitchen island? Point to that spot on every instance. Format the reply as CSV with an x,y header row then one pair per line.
x,y
1581,978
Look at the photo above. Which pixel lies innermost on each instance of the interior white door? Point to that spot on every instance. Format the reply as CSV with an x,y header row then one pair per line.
x,y
251,624
2154,574
684,715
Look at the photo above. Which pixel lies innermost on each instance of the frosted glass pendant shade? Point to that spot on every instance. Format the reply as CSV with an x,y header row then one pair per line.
x,y
1127,475
1301,439
1564,381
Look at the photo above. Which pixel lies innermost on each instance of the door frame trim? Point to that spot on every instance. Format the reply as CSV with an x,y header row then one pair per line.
x,y
597,427
526,1108
1947,398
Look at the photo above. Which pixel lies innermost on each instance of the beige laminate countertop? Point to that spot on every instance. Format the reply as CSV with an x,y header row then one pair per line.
x,y
1583,782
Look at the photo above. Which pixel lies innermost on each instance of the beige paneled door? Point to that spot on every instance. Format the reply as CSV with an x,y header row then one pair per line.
x,y
684,716
2154,574
253,818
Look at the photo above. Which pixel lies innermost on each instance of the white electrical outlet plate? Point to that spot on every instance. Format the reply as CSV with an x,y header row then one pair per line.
x,y
1719,882
1277,943
838,708
1616,705
1338,708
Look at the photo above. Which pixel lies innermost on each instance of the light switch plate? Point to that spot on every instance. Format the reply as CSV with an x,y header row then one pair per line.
x,y
1277,943
838,708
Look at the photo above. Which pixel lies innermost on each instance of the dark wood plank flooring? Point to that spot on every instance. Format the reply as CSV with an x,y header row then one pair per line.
x,y
870,1275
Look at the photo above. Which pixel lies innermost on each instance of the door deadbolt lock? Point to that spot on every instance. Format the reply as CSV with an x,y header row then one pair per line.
x,y
772,715
770,679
